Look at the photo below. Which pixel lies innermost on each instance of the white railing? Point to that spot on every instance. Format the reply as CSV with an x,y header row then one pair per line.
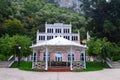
x,y
12,60
11,63
109,62
10,57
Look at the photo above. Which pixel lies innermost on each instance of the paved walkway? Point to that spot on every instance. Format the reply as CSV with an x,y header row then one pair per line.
x,y
16,74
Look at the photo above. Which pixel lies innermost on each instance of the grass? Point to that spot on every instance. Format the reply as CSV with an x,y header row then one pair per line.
x,y
93,66
27,66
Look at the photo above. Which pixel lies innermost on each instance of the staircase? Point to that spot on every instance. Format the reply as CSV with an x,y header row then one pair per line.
x,y
115,65
7,64
4,64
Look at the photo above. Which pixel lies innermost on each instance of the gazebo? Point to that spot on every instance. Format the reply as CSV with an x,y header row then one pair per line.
x,y
58,44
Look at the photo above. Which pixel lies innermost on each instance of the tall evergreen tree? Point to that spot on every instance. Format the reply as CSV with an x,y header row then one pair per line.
x,y
105,18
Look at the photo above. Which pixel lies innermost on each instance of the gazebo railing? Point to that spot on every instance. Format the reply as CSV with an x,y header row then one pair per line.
x,y
38,65
77,65
41,65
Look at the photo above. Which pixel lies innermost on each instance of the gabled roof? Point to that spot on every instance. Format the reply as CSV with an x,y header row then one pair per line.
x,y
58,41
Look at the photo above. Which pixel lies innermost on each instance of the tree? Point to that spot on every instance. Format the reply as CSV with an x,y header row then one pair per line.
x,y
16,45
5,10
20,46
99,47
105,18
5,48
13,27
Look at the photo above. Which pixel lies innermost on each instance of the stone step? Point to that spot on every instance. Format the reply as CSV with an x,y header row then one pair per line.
x,y
4,64
115,65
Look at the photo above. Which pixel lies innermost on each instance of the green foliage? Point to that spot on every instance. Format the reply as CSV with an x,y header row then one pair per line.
x,y
24,66
116,58
105,18
13,27
34,13
5,48
9,46
2,57
93,66
22,41
100,47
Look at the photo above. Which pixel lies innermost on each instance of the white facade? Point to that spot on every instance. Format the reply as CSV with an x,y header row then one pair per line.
x,y
57,29
58,44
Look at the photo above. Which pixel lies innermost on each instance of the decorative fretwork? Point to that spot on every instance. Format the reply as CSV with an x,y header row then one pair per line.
x,y
39,65
77,65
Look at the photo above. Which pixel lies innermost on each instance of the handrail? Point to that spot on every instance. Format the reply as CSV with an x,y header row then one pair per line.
x,y
11,63
109,62
11,59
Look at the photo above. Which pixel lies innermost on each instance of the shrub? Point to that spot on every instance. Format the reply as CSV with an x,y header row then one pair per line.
x,y
116,58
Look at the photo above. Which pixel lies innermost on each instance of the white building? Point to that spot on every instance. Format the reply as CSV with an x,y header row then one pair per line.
x,y
58,47
58,29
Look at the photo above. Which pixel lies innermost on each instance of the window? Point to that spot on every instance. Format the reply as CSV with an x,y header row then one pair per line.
x,y
69,57
41,37
67,37
66,31
49,30
74,38
34,57
49,37
44,57
82,57
58,57
57,30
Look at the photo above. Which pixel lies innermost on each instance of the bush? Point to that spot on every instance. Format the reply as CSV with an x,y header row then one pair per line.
x,y
116,58
2,57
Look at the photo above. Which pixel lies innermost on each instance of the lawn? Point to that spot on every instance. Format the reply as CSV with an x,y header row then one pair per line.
x,y
27,66
93,66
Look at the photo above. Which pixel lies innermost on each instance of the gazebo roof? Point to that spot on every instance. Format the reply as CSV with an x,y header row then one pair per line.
x,y
58,41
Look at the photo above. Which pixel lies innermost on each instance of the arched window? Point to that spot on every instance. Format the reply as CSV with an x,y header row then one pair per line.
x,y
58,57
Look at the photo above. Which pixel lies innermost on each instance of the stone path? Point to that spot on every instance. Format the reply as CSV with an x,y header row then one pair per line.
x,y
16,74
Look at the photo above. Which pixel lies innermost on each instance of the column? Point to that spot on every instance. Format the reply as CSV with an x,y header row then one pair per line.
x,y
33,59
71,60
84,59
46,58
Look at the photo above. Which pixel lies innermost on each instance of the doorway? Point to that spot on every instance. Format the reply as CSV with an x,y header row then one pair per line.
x,y
58,57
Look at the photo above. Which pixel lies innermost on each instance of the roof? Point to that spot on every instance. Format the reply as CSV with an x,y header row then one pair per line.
x,y
58,41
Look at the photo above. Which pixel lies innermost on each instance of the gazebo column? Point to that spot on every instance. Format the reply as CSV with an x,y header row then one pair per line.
x,y
33,59
71,60
84,59
46,58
